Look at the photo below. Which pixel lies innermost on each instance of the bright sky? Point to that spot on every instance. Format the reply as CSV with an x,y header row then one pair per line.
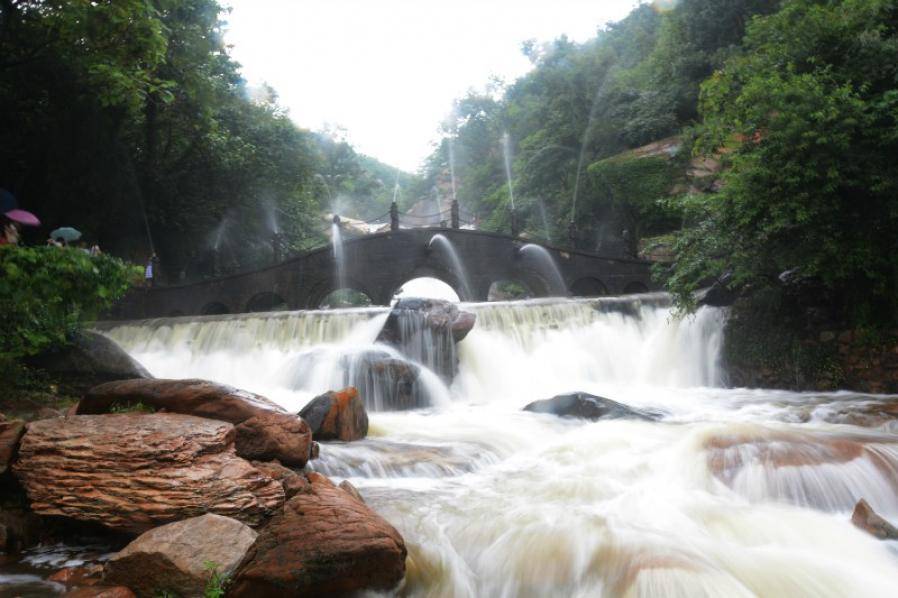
x,y
388,70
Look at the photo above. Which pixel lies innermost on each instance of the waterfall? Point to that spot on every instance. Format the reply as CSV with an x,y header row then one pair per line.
x,y
733,492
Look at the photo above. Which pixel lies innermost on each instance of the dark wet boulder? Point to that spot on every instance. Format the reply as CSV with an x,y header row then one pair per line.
x,y
426,331
586,406
865,518
324,543
90,359
11,432
384,381
337,415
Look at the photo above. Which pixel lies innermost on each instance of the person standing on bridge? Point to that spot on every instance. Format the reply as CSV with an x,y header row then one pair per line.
x,y
150,270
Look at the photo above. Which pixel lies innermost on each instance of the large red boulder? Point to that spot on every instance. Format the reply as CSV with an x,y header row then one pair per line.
x,y
337,415
132,472
265,430
190,397
326,542
11,432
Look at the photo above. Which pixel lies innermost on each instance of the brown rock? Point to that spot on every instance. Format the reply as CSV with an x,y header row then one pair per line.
x,y
132,472
323,543
89,575
316,450
11,432
173,558
101,592
337,415
352,490
293,482
48,413
868,520
275,436
190,397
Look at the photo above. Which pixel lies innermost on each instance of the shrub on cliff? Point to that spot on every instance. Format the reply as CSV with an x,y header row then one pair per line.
x,y
48,293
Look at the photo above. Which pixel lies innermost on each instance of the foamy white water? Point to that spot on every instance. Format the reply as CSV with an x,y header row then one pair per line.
x,y
733,493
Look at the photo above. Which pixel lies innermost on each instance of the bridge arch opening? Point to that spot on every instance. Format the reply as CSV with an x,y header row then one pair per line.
x,y
266,301
635,288
588,287
508,290
428,287
345,297
215,308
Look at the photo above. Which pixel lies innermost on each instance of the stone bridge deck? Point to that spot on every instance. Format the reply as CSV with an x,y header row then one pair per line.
x,y
379,264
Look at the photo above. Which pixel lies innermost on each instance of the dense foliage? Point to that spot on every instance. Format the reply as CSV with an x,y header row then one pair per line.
x,y
637,81
47,293
805,118
128,120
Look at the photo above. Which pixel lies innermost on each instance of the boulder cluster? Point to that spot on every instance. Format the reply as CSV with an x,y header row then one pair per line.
x,y
205,487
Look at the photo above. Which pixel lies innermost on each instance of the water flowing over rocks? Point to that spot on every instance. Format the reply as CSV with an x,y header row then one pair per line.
x,y
337,415
586,406
865,518
385,382
426,331
265,431
131,472
325,542
173,558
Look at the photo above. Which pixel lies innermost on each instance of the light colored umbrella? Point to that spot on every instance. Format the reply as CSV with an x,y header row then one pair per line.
x,y
66,232
23,217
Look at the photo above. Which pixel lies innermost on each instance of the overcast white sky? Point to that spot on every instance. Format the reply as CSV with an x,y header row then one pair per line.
x,y
388,70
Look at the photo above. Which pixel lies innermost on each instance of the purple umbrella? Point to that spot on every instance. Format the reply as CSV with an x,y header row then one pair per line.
x,y
23,217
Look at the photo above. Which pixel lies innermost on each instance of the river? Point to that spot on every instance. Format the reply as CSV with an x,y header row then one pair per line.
x,y
732,493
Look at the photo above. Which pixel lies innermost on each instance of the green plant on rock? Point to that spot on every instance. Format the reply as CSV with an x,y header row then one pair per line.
x,y
217,584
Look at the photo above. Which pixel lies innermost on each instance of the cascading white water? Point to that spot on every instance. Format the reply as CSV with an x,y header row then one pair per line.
x,y
444,245
339,257
732,493
548,266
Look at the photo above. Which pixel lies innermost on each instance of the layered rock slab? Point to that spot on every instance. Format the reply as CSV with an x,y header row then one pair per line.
x,y
326,542
132,472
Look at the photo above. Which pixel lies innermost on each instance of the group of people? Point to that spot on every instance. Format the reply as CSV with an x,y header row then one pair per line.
x,y
93,250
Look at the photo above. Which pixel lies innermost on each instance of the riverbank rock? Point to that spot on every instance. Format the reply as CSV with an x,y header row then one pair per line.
x,y
11,432
90,358
190,397
131,472
586,406
100,592
868,520
324,543
426,331
176,558
292,482
337,415
264,430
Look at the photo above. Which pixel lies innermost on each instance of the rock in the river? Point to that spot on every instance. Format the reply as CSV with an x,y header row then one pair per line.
x,y
92,357
100,592
337,415
11,432
280,436
173,558
190,397
587,406
385,382
132,472
868,520
87,575
324,543
352,490
426,331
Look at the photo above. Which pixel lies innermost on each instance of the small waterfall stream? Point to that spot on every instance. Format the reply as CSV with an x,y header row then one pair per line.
x,y
733,492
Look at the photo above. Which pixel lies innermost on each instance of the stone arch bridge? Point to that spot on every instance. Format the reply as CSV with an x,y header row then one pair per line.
x,y
379,264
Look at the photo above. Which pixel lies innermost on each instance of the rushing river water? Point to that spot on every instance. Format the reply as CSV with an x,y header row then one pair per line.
x,y
732,493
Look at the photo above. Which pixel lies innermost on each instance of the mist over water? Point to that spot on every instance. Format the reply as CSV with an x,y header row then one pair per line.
x,y
733,492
